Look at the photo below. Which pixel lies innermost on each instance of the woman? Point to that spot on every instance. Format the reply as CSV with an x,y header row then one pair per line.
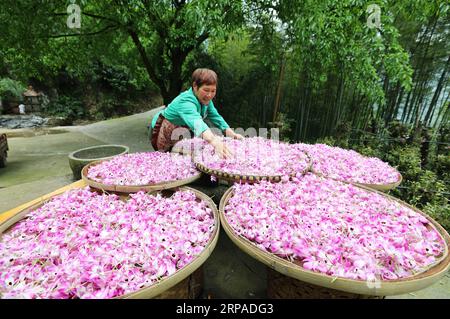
x,y
188,110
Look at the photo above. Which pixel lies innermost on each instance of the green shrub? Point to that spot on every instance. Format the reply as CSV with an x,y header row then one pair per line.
x,y
284,125
406,160
427,188
328,140
115,78
110,107
342,133
368,151
440,212
443,139
398,131
67,107
441,165
428,194
11,89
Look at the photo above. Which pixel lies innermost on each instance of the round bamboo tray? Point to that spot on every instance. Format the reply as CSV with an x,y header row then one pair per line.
x,y
378,187
134,188
280,286
188,281
189,288
381,187
382,288
238,178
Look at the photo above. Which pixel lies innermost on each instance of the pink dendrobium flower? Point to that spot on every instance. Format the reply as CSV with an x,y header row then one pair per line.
x,y
255,156
189,146
143,169
335,228
348,165
103,249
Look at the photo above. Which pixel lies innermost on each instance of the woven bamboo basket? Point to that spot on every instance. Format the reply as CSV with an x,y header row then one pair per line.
x,y
134,188
189,288
238,178
280,286
383,288
184,283
379,187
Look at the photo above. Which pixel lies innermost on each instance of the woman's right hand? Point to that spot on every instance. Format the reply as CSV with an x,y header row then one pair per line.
x,y
219,146
221,149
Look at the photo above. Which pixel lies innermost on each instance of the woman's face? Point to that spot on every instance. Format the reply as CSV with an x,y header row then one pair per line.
x,y
205,93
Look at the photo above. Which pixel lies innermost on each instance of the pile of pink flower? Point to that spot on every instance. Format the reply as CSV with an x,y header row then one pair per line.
x,y
189,145
85,245
255,156
335,228
143,169
348,165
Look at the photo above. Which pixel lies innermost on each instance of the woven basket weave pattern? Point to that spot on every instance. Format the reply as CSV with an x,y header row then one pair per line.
x,y
185,283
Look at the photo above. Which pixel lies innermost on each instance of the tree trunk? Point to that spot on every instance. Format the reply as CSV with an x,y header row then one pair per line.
x,y
409,104
442,110
382,108
354,111
300,107
397,104
437,92
391,103
425,76
308,108
405,108
369,115
340,93
280,84
175,80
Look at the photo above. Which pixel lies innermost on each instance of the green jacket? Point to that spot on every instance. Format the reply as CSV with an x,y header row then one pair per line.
x,y
185,110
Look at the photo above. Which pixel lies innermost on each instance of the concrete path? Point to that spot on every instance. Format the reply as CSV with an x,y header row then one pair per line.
x,y
38,165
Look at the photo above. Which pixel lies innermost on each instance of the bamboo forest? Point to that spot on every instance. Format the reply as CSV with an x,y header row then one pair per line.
x,y
370,76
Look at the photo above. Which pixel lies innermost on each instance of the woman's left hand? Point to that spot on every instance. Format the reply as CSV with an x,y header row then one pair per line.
x,y
230,133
